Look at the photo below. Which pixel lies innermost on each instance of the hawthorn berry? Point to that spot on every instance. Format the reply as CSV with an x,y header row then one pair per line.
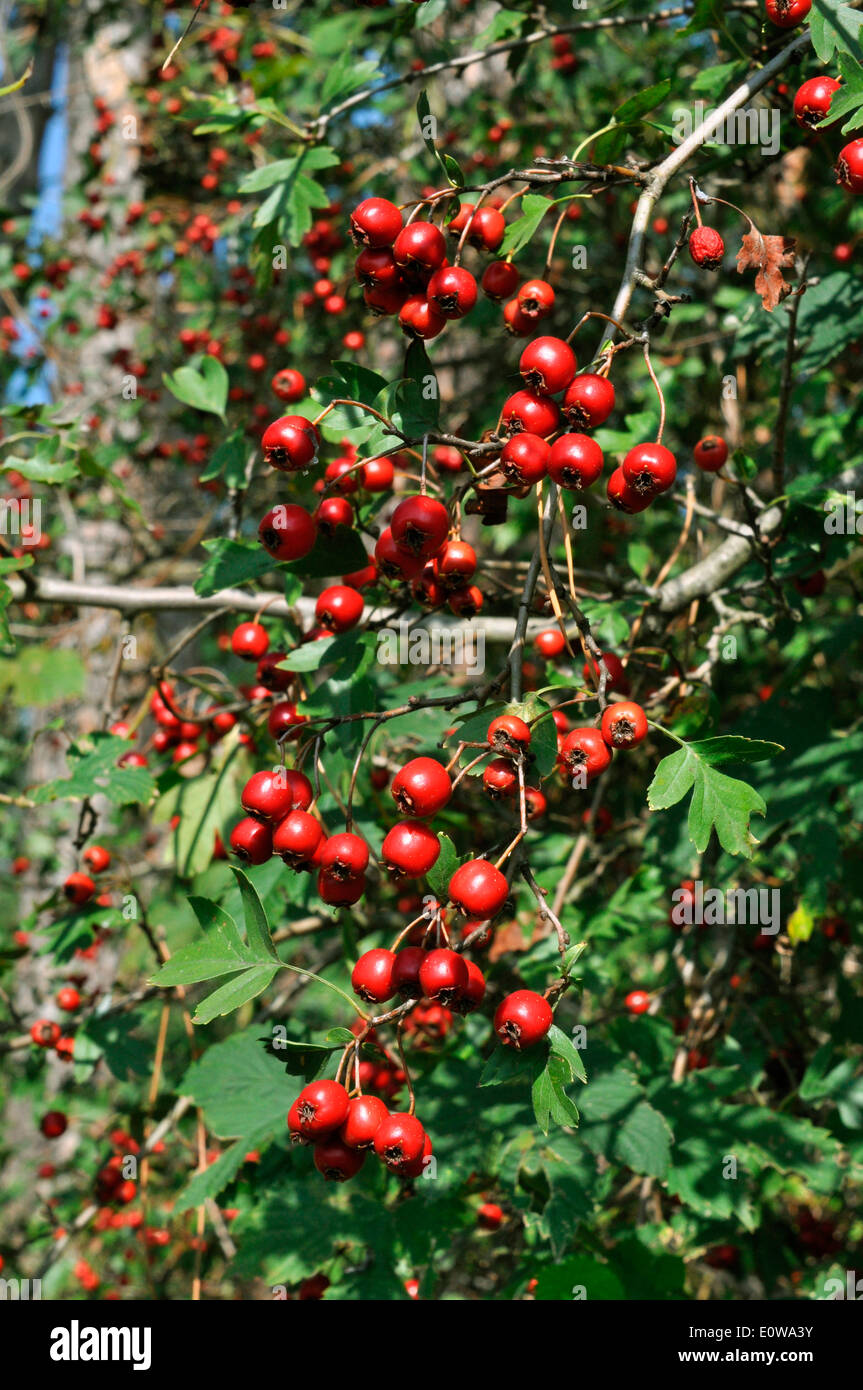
x,y
547,365
45,1033
585,750
406,971
524,459
53,1124
365,1115
252,841
623,495
453,292
550,643
499,280
376,475
588,401
79,888
290,443
515,321
649,468
399,1140
849,166
375,222
474,991
333,512
486,228
319,1109
283,720
706,248
812,100
393,562
336,891
97,858
419,318
410,849
376,265
421,788
297,839
509,735
478,889
289,385
414,1168
466,602
250,641
454,564
68,999
522,1019
489,1216
272,674
575,461
339,607
624,724
419,526
525,410
785,14
419,247
345,855
499,779
372,976
443,976
637,1002
616,672
535,299
267,796
710,453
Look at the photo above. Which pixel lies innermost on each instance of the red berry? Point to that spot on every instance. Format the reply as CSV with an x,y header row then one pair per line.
x,y
249,641
68,999
489,1216
267,795
785,14
637,1002
377,266
650,468
339,607
499,280
377,474
536,299
529,412
375,222
79,888
478,889
283,720
550,643
623,495
524,459
287,532
474,991
486,229
499,779
624,724
616,672
372,976
297,839
522,1019
710,453
340,892
45,1033
319,1109
395,563
519,324
466,602
454,564
536,803
97,858
585,749
399,1141
406,971
849,166
290,443
588,402
333,512
707,248
812,100
420,247
252,841
452,290
547,365
410,849
421,788
345,856
419,526
509,735
443,976
271,672
289,385
575,461
419,318
365,1115
53,1124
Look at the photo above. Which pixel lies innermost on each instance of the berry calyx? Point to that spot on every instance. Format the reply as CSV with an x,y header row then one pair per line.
x,y
624,724
707,248
372,976
522,1019
478,889
710,453
249,641
419,526
585,751
588,401
623,495
812,100
345,856
399,1141
509,735
421,788
453,292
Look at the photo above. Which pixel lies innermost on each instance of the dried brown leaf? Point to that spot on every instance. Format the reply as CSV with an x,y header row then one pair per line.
x,y
768,255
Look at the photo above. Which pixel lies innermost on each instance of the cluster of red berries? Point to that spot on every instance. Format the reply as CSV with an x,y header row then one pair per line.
x,y
811,106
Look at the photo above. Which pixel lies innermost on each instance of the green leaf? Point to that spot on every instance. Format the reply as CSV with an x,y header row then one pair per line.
x,y
719,803
215,1177
206,389
230,563
229,458
507,1065
734,748
44,675
519,233
257,927
221,952
240,1086
643,1142
235,993
94,771
205,805
550,1101
446,162
639,105
442,870
563,1047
